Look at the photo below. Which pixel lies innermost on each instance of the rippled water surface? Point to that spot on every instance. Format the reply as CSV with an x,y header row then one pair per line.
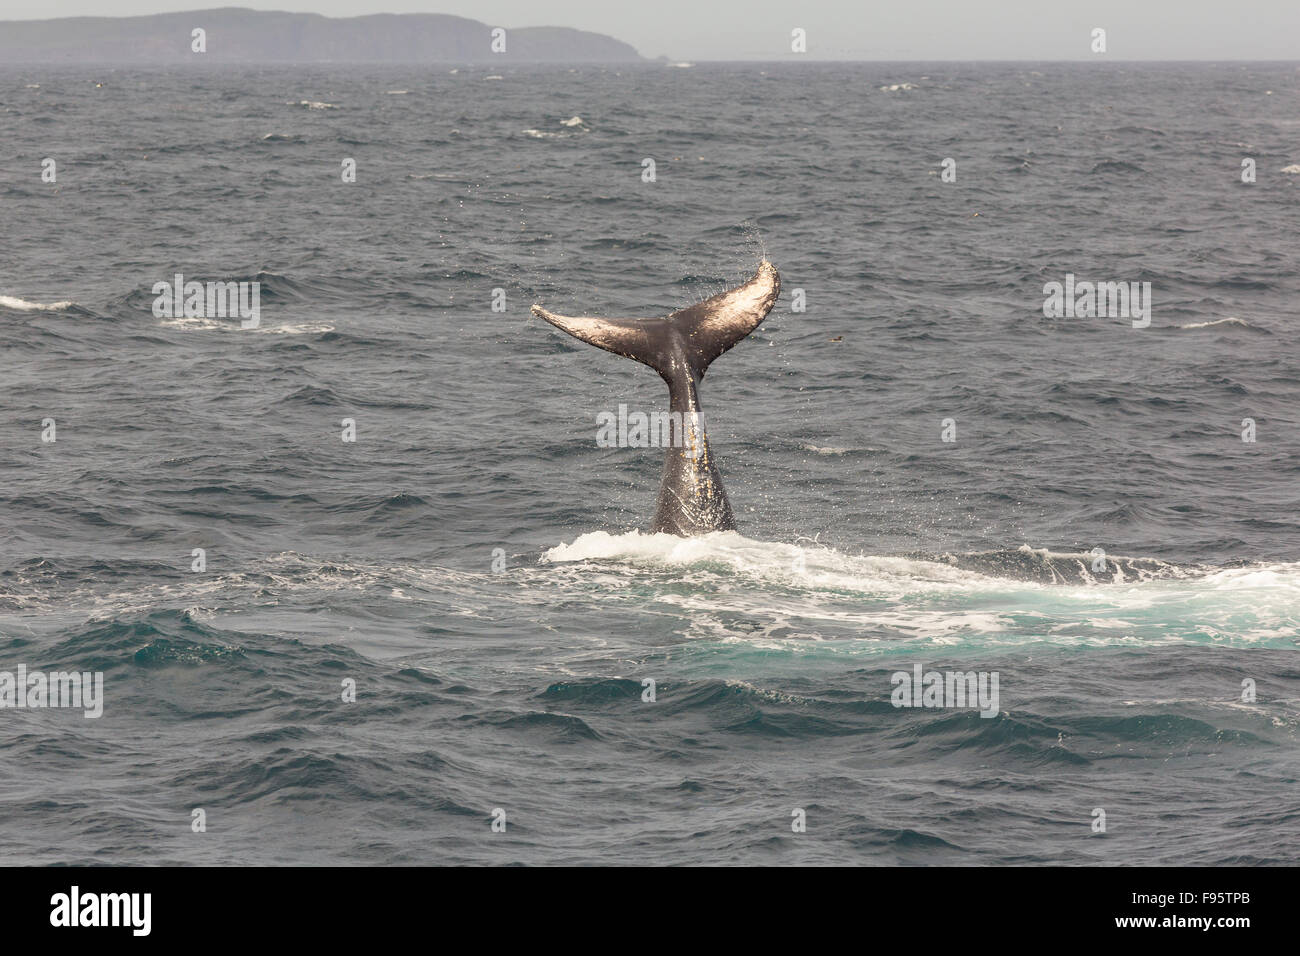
x,y
477,565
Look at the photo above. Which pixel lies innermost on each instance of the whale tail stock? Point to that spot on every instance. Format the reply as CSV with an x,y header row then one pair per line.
x,y
681,348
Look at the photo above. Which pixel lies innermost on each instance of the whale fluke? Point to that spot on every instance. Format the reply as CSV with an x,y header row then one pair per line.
x,y
699,333
681,347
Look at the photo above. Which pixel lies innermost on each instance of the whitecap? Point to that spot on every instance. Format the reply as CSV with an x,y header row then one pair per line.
x,y
203,324
824,451
1230,320
305,328
22,305
792,597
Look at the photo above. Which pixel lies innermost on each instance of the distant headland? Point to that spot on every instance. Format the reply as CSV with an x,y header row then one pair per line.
x,y
237,35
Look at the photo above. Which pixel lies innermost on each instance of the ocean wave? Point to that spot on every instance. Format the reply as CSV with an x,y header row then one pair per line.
x,y
22,305
826,565
574,124
1116,166
200,324
1230,320
787,594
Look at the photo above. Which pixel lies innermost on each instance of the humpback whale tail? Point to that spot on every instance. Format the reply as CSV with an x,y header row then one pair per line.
x,y
695,335
681,348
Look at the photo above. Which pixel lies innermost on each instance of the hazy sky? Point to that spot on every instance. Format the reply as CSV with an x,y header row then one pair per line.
x,y
837,29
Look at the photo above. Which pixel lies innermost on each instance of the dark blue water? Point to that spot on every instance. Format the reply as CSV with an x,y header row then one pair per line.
x,y
867,544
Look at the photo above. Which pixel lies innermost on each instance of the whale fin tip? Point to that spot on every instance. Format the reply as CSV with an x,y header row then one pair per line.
x,y
716,324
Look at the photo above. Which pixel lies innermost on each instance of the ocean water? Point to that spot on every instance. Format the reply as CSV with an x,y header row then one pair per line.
x,y
474,564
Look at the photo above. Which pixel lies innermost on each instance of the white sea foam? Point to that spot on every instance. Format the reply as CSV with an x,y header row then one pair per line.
x,y
1230,320
202,324
728,590
573,122
801,592
303,328
794,564
22,305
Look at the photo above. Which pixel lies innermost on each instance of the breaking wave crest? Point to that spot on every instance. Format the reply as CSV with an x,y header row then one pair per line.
x,y
735,588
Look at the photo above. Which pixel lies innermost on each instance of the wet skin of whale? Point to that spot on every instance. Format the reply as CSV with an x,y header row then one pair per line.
x,y
680,348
